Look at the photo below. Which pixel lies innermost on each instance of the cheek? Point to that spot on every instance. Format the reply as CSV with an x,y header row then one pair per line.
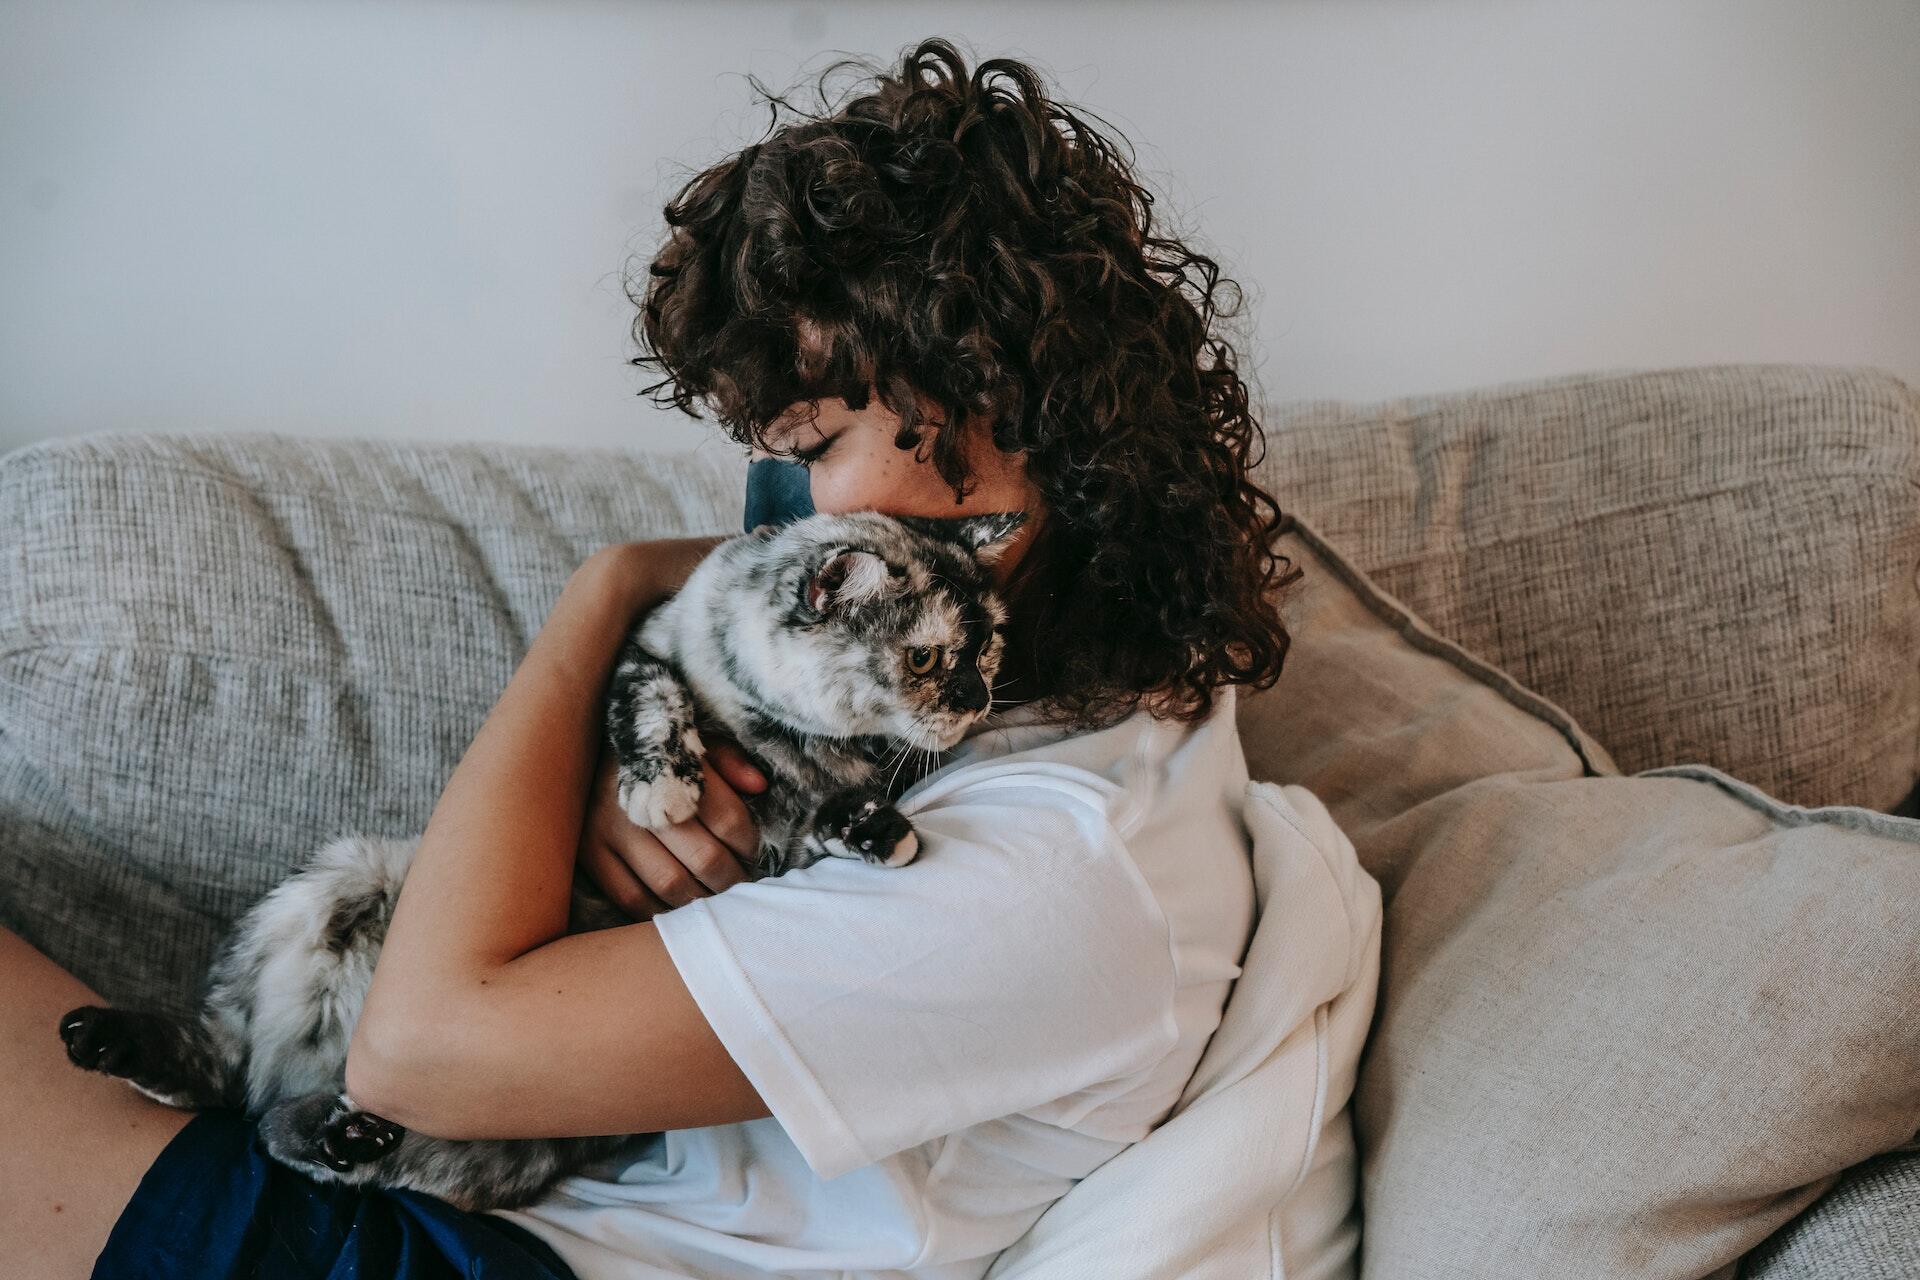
x,y
829,489
884,480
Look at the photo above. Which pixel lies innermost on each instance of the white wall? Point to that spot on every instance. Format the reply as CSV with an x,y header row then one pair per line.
x,y
410,219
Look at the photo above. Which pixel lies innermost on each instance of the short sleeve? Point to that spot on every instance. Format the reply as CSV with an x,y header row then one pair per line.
x,y
1019,958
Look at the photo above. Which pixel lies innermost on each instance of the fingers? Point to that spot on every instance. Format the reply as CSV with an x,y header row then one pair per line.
x,y
726,815
617,880
646,870
705,844
627,861
700,861
733,764
662,868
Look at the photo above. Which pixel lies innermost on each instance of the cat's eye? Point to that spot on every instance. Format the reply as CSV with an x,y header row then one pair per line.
x,y
922,658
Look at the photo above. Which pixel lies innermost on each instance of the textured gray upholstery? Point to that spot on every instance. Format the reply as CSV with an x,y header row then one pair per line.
x,y
1866,1228
216,651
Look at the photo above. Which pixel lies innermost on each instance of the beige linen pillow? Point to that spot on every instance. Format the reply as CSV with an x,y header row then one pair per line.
x,y
1627,1025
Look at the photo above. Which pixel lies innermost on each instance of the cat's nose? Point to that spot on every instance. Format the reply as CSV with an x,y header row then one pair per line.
x,y
969,693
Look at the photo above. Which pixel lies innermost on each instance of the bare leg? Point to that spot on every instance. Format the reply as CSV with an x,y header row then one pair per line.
x,y
73,1144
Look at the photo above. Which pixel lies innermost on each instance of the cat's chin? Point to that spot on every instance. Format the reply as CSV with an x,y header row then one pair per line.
x,y
951,741
920,739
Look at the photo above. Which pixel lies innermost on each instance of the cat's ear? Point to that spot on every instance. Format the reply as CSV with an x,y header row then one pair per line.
x,y
987,535
846,578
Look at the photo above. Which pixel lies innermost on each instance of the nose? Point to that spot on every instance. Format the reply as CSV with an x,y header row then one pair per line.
x,y
969,692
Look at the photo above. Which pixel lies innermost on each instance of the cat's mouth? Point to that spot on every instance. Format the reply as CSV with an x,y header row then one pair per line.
x,y
929,739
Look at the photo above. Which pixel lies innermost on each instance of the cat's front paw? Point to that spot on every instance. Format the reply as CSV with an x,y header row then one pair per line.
x,y
658,802
905,850
878,832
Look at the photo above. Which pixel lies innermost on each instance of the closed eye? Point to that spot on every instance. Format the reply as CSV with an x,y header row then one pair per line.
x,y
807,457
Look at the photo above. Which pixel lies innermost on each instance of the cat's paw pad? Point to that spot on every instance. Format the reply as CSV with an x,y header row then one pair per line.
x,y
659,802
879,833
325,1131
350,1138
99,1039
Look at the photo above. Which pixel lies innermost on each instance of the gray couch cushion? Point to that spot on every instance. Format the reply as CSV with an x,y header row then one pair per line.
x,y
1711,565
1866,1228
218,652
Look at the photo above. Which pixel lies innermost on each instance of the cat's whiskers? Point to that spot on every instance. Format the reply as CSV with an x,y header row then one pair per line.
x,y
904,745
910,746
905,748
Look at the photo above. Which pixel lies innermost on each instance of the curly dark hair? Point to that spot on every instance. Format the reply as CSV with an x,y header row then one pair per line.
x,y
978,245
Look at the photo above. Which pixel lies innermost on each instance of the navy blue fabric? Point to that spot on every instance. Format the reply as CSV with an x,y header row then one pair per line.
x,y
778,492
214,1207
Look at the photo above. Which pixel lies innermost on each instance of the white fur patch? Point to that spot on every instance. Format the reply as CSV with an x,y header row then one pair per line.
x,y
867,577
861,576
164,1099
938,624
904,852
661,803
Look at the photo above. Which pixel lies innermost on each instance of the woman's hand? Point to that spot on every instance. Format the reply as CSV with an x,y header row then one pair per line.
x,y
645,870
642,870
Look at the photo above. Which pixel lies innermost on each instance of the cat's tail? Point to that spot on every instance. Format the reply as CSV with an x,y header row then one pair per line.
x,y
292,979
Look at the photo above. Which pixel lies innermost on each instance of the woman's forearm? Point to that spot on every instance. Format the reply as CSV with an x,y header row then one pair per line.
x,y
491,878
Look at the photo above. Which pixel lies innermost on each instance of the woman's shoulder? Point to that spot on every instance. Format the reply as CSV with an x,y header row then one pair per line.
x,y
1160,800
1122,764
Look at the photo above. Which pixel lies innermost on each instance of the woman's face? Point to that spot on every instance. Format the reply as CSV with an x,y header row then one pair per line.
x,y
861,470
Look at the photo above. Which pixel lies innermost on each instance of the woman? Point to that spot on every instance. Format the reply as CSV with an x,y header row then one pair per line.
x,y
846,1071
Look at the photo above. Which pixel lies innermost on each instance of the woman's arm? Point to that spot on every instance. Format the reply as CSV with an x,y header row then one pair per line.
x,y
484,1019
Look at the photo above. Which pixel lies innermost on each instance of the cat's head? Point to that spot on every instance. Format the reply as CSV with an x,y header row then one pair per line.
x,y
878,624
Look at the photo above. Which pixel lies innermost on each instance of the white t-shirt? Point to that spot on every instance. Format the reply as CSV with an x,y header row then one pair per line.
x,y
948,1046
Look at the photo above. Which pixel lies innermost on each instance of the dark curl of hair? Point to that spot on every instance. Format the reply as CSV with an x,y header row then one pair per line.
x,y
978,245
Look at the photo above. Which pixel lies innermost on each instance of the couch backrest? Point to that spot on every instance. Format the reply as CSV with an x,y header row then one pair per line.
x,y
216,651
219,651
1712,565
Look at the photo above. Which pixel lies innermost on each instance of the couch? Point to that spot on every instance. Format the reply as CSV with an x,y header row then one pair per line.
x,y
1712,565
